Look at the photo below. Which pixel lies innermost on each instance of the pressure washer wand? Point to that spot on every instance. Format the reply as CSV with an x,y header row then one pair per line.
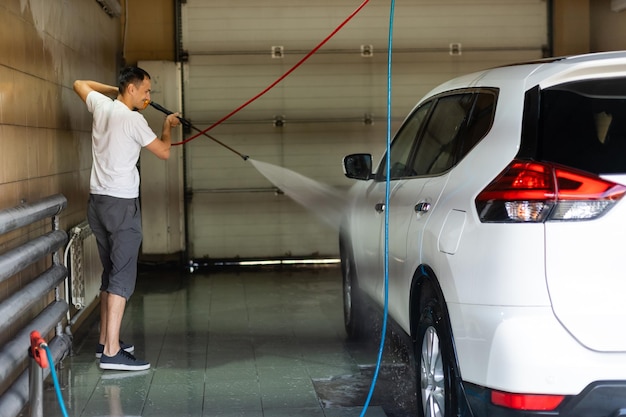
x,y
188,124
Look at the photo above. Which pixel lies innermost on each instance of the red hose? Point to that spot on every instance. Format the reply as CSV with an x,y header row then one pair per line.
x,y
282,77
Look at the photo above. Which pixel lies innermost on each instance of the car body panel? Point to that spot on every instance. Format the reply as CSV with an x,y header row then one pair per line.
x,y
366,230
587,279
406,232
526,350
533,307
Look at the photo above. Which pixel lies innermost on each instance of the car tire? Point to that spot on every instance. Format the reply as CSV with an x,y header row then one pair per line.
x,y
434,359
353,302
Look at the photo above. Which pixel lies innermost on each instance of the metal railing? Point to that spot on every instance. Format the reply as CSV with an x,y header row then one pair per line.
x,y
14,353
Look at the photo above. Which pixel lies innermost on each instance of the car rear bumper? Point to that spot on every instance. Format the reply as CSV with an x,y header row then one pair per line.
x,y
599,399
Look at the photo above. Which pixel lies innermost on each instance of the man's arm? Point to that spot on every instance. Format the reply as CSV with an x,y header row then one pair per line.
x,y
161,147
84,87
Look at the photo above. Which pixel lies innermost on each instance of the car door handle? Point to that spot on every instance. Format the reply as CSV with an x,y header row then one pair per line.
x,y
379,207
422,207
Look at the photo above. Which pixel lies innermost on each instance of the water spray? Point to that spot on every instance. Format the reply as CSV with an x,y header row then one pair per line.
x,y
188,124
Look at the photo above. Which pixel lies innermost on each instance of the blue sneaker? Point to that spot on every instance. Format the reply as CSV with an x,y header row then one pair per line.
x,y
125,346
123,361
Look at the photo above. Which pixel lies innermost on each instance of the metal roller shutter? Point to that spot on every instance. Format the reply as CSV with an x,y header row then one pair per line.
x,y
332,105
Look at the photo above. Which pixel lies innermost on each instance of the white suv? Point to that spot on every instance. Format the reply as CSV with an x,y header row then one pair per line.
x,y
506,240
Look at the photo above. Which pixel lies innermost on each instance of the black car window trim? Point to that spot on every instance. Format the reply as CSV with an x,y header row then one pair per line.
x,y
530,124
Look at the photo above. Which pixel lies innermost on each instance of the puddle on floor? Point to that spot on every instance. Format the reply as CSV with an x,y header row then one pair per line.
x,y
394,391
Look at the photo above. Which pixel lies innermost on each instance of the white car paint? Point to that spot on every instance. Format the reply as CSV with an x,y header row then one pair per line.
x,y
534,308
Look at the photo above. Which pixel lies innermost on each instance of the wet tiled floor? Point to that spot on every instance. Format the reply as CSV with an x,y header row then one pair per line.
x,y
236,344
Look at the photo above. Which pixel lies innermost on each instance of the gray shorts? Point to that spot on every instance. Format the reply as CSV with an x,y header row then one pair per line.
x,y
116,223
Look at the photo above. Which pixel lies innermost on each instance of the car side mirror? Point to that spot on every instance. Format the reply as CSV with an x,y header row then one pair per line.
x,y
358,166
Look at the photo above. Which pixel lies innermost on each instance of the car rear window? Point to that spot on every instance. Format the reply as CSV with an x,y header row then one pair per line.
x,y
583,125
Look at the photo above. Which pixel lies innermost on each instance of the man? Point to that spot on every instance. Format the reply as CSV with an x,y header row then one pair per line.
x,y
119,132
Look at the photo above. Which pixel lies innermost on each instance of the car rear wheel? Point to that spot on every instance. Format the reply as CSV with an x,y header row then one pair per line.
x,y
434,359
353,308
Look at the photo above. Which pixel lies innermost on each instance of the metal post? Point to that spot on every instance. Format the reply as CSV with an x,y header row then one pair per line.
x,y
36,389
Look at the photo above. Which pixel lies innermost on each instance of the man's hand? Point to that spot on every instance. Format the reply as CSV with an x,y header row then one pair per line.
x,y
161,148
173,119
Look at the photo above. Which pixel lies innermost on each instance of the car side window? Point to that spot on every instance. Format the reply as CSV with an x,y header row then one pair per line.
x,y
403,144
456,125
436,151
480,120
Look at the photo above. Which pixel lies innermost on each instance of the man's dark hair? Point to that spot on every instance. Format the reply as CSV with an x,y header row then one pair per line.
x,y
131,75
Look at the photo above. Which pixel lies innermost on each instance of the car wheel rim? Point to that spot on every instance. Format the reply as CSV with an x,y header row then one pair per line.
x,y
432,375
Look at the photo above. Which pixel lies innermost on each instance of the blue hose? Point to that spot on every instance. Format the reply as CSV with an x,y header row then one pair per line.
x,y
55,380
387,192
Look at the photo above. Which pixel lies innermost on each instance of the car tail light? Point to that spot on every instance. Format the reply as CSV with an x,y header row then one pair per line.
x,y
529,191
528,402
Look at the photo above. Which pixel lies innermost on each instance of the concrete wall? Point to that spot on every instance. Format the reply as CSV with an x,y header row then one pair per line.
x,y
149,31
581,26
607,29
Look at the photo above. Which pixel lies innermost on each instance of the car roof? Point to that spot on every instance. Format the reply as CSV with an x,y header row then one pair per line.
x,y
543,72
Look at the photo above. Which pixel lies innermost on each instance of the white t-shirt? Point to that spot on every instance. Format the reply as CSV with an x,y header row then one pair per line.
x,y
118,134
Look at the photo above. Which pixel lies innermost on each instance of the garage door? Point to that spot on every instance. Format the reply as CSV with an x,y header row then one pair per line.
x,y
334,104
